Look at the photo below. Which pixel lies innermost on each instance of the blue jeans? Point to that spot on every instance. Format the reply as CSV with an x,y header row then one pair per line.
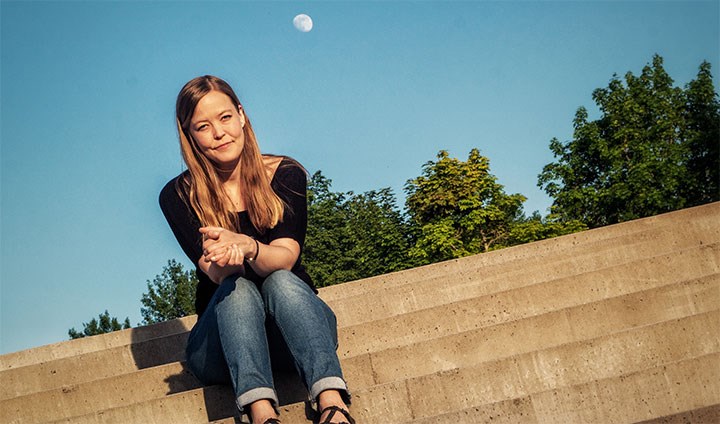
x,y
229,343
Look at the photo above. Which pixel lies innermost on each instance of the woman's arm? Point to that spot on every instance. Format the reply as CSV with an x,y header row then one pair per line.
x,y
223,248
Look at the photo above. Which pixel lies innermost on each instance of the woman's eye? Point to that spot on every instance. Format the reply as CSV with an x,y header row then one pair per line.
x,y
201,127
226,117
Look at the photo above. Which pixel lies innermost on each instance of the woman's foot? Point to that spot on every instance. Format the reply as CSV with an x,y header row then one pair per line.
x,y
262,412
328,401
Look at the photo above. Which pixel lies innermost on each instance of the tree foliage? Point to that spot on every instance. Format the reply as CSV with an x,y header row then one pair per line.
x,y
702,135
458,208
654,149
352,236
534,228
170,295
103,324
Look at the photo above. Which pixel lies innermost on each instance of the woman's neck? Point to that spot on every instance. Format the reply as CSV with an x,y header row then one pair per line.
x,y
230,181
229,176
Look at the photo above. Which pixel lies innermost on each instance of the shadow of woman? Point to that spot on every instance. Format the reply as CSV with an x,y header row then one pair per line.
x,y
163,345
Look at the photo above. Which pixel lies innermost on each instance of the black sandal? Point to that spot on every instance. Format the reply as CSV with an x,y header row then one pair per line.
x,y
334,409
272,421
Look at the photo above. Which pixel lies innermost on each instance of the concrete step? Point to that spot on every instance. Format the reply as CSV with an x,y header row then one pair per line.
x,y
708,414
192,406
473,281
622,398
511,411
455,351
592,240
80,399
96,365
566,365
557,379
673,393
91,344
676,229
556,328
389,333
384,334
528,300
564,326
677,387
618,244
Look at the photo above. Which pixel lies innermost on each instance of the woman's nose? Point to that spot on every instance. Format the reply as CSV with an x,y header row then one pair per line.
x,y
218,132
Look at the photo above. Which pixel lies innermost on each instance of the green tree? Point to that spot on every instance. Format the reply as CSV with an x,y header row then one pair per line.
x,y
536,227
103,324
458,208
352,236
170,295
640,158
702,135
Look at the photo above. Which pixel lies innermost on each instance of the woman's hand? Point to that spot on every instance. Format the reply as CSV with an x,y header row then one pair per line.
x,y
223,249
226,248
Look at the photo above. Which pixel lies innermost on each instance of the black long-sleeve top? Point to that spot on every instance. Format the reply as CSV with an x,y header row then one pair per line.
x,y
289,183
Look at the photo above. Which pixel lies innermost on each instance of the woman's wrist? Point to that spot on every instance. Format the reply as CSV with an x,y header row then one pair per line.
x,y
253,257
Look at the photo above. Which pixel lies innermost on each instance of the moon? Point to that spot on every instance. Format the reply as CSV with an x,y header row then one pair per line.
x,y
302,23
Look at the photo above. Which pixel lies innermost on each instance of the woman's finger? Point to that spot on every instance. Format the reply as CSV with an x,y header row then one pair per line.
x,y
216,253
224,258
230,255
211,232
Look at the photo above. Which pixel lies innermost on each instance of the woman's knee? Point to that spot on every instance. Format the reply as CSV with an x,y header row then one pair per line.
x,y
285,291
239,294
283,284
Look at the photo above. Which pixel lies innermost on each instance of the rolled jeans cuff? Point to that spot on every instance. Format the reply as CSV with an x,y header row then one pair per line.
x,y
256,394
330,383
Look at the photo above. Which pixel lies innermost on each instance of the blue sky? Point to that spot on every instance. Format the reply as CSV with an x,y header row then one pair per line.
x,y
375,90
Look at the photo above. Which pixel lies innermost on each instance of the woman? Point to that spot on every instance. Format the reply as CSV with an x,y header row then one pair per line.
x,y
241,217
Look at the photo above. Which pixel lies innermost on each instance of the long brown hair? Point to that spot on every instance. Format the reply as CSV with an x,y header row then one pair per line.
x,y
202,188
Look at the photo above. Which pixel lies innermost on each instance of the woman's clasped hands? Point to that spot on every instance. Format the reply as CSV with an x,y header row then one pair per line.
x,y
226,248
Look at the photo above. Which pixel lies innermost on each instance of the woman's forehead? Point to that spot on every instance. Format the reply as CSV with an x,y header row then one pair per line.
x,y
211,104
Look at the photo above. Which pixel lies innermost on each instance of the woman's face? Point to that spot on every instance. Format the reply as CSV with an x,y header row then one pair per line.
x,y
217,128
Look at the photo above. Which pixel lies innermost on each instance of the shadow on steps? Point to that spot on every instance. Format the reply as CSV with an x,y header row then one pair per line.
x,y
219,400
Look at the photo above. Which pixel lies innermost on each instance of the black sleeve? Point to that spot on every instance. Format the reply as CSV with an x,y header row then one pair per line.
x,y
182,221
290,184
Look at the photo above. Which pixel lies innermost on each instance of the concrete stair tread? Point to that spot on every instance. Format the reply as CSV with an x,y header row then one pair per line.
x,y
399,402
615,324
427,293
91,366
701,215
566,404
551,329
707,414
526,300
91,344
611,252
395,403
619,338
568,365
694,217
139,334
461,349
431,323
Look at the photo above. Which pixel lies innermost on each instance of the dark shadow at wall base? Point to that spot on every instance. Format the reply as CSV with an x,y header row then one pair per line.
x,y
709,415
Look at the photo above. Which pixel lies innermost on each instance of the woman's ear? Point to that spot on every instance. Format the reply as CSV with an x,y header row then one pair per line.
x,y
242,115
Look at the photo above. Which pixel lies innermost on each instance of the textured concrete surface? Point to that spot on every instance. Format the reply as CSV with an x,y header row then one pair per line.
x,y
618,324
95,343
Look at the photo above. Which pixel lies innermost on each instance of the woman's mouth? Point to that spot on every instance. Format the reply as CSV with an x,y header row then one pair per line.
x,y
223,146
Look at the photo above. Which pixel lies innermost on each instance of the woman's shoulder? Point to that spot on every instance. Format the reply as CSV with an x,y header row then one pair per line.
x,y
287,169
169,193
